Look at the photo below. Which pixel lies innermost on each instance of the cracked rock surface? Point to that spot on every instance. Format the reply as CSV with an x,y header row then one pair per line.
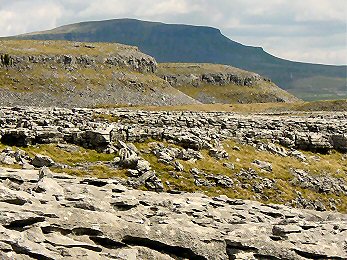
x,y
62,217
320,132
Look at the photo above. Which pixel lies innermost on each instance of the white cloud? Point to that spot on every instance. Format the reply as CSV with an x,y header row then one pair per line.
x,y
166,8
322,10
24,16
305,49
103,8
310,30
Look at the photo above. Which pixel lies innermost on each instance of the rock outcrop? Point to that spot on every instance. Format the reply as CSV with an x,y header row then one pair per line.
x,y
62,217
126,57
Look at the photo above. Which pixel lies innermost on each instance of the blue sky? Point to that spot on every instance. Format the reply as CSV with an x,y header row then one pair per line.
x,y
302,30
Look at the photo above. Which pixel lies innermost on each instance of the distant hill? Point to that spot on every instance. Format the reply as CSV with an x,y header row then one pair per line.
x,y
197,44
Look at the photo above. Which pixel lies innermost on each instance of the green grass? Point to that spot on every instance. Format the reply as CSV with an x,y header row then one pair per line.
x,y
33,47
73,159
319,88
230,93
284,191
68,157
106,118
98,171
325,105
85,162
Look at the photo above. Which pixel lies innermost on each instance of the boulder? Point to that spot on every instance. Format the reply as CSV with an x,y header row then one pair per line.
x,y
42,160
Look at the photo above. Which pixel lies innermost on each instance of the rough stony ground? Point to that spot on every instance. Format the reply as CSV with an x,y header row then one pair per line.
x,y
45,216
190,151
321,131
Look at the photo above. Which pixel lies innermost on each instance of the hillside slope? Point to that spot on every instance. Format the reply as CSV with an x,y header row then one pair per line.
x,y
71,74
214,83
185,43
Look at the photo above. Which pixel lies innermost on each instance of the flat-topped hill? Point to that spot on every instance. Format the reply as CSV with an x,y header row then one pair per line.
x,y
200,44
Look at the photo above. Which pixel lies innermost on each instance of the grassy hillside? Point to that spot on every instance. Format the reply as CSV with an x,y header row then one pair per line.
x,y
65,73
295,107
61,73
213,83
320,87
184,43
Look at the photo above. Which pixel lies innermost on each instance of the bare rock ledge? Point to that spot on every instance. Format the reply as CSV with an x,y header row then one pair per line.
x,y
64,217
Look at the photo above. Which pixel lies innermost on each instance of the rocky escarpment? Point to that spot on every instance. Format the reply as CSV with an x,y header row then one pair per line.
x,y
213,83
56,216
128,57
71,74
221,78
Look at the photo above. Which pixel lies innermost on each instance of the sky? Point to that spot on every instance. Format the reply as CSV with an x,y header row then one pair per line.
x,y
302,30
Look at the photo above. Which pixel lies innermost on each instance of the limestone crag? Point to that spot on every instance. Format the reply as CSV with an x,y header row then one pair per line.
x,y
56,216
128,58
213,78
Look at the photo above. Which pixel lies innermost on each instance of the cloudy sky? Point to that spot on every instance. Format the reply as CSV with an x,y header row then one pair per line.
x,y
302,30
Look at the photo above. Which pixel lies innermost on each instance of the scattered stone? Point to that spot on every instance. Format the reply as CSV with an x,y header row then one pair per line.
x,y
218,153
321,184
230,166
42,160
266,166
178,166
191,130
45,172
143,165
236,148
128,158
298,155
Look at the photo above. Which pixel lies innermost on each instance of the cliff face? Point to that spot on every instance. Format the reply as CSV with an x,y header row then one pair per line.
x,y
23,54
55,73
